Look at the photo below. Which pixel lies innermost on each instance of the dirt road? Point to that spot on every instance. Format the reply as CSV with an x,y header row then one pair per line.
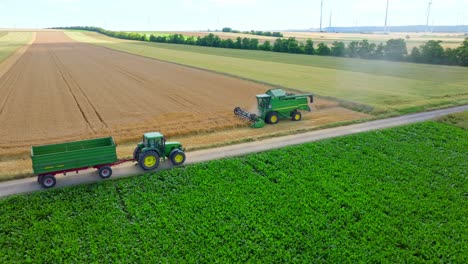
x,y
30,184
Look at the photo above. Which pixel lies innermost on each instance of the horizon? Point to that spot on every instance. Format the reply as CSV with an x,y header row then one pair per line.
x,y
203,15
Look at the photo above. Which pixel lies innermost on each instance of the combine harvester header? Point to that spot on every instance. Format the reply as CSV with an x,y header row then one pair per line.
x,y
275,104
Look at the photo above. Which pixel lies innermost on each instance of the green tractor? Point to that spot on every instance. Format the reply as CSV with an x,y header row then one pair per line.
x,y
276,104
154,147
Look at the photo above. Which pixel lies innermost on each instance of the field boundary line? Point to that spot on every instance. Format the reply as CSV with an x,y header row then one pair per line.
x,y
13,58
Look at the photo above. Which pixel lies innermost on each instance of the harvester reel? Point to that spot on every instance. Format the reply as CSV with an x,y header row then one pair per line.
x,y
257,121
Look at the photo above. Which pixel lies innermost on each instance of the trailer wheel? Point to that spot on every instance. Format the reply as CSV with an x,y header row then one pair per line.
x,y
149,160
296,116
272,118
39,179
105,172
48,181
177,157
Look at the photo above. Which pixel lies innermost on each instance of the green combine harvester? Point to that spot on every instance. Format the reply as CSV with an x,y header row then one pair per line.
x,y
276,104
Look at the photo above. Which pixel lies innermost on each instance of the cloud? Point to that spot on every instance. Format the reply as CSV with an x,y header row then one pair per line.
x,y
187,3
62,1
234,2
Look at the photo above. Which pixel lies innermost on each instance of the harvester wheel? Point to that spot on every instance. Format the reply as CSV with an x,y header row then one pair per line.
x,y
48,181
149,160
296,116
105,172
272,118
177,157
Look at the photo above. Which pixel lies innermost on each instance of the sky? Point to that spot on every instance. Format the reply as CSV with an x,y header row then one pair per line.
x,y
171,15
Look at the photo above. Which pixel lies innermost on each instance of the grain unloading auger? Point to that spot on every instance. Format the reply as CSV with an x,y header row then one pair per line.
x,y
276,104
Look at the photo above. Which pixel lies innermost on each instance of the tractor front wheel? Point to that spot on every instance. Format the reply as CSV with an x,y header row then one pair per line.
x,y
149,160
177,157
296,116
272,118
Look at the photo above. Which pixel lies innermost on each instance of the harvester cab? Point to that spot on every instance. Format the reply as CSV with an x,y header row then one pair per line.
x,y
154,147
275,104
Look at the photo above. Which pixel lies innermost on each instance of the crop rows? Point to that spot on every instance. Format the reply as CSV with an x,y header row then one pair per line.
x,y
397,195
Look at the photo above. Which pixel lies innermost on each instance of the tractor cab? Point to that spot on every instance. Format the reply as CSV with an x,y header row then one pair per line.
x,y
153,140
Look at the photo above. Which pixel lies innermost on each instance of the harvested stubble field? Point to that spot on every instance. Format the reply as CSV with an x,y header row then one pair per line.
x,y
60,89
63,89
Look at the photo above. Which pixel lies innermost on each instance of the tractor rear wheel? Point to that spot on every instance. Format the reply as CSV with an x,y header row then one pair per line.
x,y
48,181
105,172
149,160
177,157
272,118
296,116
136,153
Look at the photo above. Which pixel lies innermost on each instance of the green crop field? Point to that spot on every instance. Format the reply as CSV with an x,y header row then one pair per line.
x,y
11,41
397,195
382,87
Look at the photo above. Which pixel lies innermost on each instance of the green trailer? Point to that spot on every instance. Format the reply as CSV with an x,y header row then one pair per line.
x,y
275,104
99,153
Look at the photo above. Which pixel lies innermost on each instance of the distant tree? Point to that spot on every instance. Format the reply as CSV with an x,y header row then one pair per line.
x,y
395,49
265,46
152,38
253,44
238,43
245,43
161,39
365,49
280,45
323,49
379,51
462,53
227,29
451,56
415,55
338,49
309,47
432,52
228,43
352,50
191,40
292,45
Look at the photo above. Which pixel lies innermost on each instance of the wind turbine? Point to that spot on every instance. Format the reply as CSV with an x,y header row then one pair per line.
x,y
386,16
428,13
321,9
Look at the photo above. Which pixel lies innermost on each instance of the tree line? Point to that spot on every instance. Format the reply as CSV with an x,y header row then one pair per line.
x,y
394,49
255,32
